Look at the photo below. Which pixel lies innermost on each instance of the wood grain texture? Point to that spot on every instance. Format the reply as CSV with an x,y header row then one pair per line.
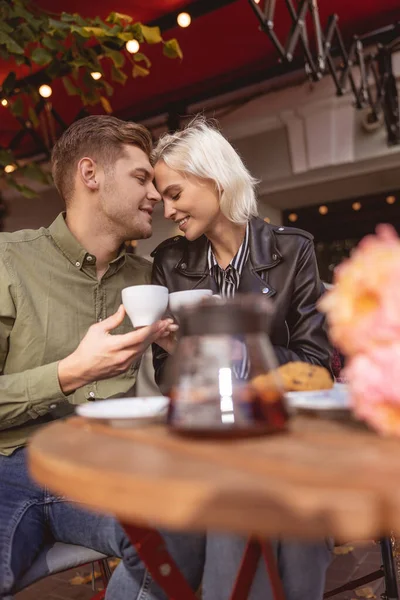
x,y
320,478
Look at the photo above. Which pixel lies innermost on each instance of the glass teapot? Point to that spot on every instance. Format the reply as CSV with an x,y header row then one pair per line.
x,y
222,378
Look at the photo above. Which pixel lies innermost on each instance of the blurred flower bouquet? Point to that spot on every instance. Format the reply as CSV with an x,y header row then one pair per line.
x,y
363,313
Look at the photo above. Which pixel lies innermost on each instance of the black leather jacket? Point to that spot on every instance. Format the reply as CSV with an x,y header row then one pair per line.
x,y
281,266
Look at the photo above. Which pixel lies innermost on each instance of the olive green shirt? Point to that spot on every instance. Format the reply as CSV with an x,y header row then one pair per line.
x,y
49,297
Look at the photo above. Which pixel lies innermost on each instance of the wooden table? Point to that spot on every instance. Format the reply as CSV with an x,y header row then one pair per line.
x,y
321,478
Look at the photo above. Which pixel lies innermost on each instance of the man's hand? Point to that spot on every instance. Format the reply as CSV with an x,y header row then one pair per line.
x,y
101,355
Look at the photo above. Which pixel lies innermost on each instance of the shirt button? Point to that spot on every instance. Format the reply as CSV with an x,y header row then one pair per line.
x,y
53,406
265,290
91,394
281,229
90,258
183,266
77,264
274,257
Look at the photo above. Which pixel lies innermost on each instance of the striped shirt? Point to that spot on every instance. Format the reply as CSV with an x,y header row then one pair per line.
x,y
228,281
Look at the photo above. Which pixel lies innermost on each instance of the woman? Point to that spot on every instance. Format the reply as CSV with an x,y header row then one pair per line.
x,y
208,192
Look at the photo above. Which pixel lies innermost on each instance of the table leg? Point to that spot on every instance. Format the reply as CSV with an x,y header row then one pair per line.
x,y
248,568
151,548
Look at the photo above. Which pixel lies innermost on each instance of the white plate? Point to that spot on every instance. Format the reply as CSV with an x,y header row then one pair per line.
x,y
126,412
337,398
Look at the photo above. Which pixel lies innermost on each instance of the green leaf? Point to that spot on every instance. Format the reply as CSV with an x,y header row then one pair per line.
x,y
117,57
117,75
58,25
5,27
116,17
27,33
69,86
9,83
172,49
6,157
51,43
125,36
17,107
136,30
67,18
138,57
10,44
27,191
152,35
139,71
33,117
109,88
34,172
41,56
106,105
95,31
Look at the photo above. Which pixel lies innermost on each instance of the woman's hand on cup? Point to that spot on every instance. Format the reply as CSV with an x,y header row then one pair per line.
x,y
167,338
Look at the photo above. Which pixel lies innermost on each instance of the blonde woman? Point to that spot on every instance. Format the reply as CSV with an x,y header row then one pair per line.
x,y
208,192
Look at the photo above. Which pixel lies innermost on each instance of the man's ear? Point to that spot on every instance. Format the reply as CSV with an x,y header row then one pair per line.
x,y
87,169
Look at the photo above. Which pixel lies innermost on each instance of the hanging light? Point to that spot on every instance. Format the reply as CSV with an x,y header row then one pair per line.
x,y
132,46
4,102
356,205
267,220
45,91
391,199
293,217
96,75
9,168
184,19
323,210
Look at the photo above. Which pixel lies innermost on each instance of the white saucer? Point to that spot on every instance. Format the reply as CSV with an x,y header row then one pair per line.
x,y
126,412
337,398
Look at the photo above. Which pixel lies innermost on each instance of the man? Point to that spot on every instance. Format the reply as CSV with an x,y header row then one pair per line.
x,y
65,339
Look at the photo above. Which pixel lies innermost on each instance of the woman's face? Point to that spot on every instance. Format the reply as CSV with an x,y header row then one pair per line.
x,y
192,203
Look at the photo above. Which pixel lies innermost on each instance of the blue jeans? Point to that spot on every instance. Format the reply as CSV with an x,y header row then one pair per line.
x,y
302,567
30,517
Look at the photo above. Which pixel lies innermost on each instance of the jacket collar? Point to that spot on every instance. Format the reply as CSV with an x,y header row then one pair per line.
x,y
263,251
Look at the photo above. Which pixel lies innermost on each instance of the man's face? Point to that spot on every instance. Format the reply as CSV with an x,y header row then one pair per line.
x,y
127,194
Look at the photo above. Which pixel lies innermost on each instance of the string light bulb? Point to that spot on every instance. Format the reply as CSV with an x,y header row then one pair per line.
x,y
293,217
9,168
391,199
45,91
356,205
184,19
4,102
96,75
323,210
132,46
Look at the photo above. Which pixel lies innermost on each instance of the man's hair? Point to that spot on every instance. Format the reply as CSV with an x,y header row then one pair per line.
x,y
100,137
201,150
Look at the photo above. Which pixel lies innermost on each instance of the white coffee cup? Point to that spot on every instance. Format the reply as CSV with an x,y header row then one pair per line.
x,y
187,298
145,304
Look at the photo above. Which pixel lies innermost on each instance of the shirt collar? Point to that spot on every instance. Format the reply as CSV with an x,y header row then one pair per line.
x,y
71,248
238,261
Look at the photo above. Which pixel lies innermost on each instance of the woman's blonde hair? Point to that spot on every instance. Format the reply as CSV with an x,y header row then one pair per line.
x,y
201,150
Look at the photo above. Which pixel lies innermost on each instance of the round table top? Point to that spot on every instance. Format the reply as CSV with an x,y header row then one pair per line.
x,y
320,478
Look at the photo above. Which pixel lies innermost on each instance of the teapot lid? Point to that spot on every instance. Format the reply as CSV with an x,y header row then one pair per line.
x,y
243,314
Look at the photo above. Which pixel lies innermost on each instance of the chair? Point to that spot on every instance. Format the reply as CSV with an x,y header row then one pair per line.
x,y
388,571
59,557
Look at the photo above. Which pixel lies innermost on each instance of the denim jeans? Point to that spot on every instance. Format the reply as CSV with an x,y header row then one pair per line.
x,y
30,517
302,567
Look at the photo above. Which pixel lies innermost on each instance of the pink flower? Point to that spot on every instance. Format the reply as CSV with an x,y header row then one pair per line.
x,y
362,308
374,381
